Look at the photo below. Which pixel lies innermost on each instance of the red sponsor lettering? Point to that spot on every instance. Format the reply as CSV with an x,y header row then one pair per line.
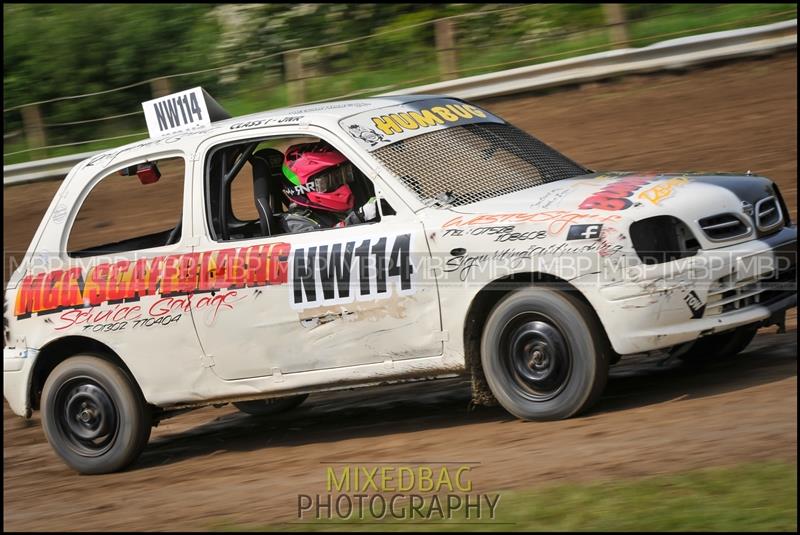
x,y
125,280
70,318
615,196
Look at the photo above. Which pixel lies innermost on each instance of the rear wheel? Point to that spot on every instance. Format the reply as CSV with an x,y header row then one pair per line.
x,y
544,354
268,407
722,345
94,415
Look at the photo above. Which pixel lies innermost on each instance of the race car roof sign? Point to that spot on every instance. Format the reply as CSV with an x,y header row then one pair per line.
x,y
179,112
377,128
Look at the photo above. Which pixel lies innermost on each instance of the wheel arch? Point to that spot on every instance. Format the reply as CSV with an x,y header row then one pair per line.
x,y
57,351
485,300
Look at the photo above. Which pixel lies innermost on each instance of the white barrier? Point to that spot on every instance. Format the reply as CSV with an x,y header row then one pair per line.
x,y
672,54
19,173
675,53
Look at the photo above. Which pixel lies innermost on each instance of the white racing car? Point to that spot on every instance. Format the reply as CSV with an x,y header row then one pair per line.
x,y
258,259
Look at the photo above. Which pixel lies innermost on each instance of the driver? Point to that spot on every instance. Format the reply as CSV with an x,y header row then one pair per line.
x,y
316,181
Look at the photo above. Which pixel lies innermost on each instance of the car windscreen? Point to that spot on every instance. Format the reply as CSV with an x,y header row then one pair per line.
x,y
467,163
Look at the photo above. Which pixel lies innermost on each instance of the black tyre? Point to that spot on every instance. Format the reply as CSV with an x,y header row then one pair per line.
x,y
94,415
722,345
268,407
544,354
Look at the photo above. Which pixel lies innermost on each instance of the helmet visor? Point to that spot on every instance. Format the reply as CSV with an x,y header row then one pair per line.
x,y
331,179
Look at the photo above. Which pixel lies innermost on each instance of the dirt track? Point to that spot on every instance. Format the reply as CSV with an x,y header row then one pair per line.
x,y
215,464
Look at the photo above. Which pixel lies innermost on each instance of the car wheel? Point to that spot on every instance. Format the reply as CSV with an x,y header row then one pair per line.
x,y
544,354
268,407
94,415
722,345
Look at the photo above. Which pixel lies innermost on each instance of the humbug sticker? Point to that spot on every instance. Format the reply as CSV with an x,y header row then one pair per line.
x,y
364,269
377,128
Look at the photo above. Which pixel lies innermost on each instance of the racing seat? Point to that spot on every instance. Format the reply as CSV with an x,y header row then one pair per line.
x,y
266,188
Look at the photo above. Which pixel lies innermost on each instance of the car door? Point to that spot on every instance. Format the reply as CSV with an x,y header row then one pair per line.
x,y
324,299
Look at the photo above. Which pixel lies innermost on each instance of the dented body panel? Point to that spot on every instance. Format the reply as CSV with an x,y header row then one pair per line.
x,y
203,320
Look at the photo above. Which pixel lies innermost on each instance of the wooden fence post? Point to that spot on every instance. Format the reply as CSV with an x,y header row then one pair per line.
x,y
34,131
160,87
618,26
295,84
446,49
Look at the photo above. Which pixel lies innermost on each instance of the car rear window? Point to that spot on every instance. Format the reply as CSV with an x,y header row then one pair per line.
x,y
122,214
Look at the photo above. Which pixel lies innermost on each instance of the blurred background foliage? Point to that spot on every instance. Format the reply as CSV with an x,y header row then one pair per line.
x,y
57,50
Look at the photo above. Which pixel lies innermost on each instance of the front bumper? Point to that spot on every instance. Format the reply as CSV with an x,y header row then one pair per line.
x,y
17,367
655,307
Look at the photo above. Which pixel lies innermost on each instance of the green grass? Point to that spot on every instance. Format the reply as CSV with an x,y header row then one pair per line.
x,y
418,66
674,21
750,497
503,57
684,21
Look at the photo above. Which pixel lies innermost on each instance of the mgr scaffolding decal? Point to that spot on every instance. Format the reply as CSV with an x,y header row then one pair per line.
x,y
173,275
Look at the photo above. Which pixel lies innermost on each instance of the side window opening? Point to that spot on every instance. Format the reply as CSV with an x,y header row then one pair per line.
x,y
260,188
139,207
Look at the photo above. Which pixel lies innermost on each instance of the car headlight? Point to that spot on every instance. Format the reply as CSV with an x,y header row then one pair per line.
x,y
663,238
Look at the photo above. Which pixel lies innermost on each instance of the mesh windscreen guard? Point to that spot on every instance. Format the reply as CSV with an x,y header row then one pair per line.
x,y
474,162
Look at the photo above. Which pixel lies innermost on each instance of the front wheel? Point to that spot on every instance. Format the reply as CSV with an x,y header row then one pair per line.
x,y
94,415
544,354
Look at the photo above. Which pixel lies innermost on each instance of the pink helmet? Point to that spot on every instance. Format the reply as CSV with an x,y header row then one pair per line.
x,y
316,175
